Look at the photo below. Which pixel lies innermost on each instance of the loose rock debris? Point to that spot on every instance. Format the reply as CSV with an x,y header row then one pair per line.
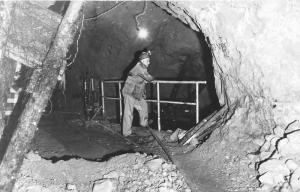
x,y
125,173
280,161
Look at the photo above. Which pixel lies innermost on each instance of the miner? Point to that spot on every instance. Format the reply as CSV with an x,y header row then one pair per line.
x,y
134,93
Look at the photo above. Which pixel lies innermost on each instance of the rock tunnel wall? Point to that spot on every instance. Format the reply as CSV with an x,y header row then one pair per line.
x,y
256,62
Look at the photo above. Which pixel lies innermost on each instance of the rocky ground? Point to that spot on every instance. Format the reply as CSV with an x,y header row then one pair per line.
x,y
127,172
279,160
70,156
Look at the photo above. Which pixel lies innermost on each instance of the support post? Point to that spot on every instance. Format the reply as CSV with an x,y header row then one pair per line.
x,y
6,12
158,106
102,97
38,92
197,102
120,101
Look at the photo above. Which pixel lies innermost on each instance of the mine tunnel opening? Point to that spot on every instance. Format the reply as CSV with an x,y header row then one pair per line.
x,y
107,50
106,47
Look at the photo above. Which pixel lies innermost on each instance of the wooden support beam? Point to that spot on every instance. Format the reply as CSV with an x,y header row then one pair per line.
x,y
209,124
37,94
6,8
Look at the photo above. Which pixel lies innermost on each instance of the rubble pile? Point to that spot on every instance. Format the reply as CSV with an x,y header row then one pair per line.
x,y
126,173
152,175
280,160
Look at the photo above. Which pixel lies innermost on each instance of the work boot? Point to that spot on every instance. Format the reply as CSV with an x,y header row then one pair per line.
x,y
127,133
132,136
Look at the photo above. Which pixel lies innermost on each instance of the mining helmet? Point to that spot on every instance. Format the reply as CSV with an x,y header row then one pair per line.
x,y
145,55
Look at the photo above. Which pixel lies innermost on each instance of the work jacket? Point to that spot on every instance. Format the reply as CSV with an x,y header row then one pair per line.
x,y
136,81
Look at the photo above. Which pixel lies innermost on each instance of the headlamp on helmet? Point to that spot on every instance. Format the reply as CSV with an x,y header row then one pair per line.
x,y
144,55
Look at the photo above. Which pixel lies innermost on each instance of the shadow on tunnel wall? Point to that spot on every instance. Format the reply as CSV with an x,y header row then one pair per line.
x,y
60,7
207,58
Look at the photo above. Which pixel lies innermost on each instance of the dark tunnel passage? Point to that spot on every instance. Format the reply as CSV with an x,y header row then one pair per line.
x,y
108,48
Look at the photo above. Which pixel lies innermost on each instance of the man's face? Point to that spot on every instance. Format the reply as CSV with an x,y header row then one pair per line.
x,y
146,61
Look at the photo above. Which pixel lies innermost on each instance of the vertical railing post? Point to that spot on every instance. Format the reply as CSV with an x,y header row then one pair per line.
x,y
102,97
120,101
158,106
197,102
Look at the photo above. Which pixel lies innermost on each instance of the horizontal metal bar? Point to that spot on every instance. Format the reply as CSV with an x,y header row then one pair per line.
x,y
171,102
161,81
178,82
113,81
155,101
111,98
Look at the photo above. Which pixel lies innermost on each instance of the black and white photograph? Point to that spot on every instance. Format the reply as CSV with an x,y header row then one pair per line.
x,y
150,96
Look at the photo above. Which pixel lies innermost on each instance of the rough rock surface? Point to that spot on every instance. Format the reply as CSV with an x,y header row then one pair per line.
x,y
254,47
124,173
280,160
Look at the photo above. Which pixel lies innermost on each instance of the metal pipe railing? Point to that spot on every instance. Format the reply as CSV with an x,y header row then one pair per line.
x,y
161,81
155,101
158,101
158,106
120,102
197,103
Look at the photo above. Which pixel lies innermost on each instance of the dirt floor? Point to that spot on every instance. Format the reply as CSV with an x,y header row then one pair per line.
x,y
77,153
58,138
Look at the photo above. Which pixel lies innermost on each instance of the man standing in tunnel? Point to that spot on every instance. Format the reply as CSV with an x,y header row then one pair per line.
x,y
134,93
